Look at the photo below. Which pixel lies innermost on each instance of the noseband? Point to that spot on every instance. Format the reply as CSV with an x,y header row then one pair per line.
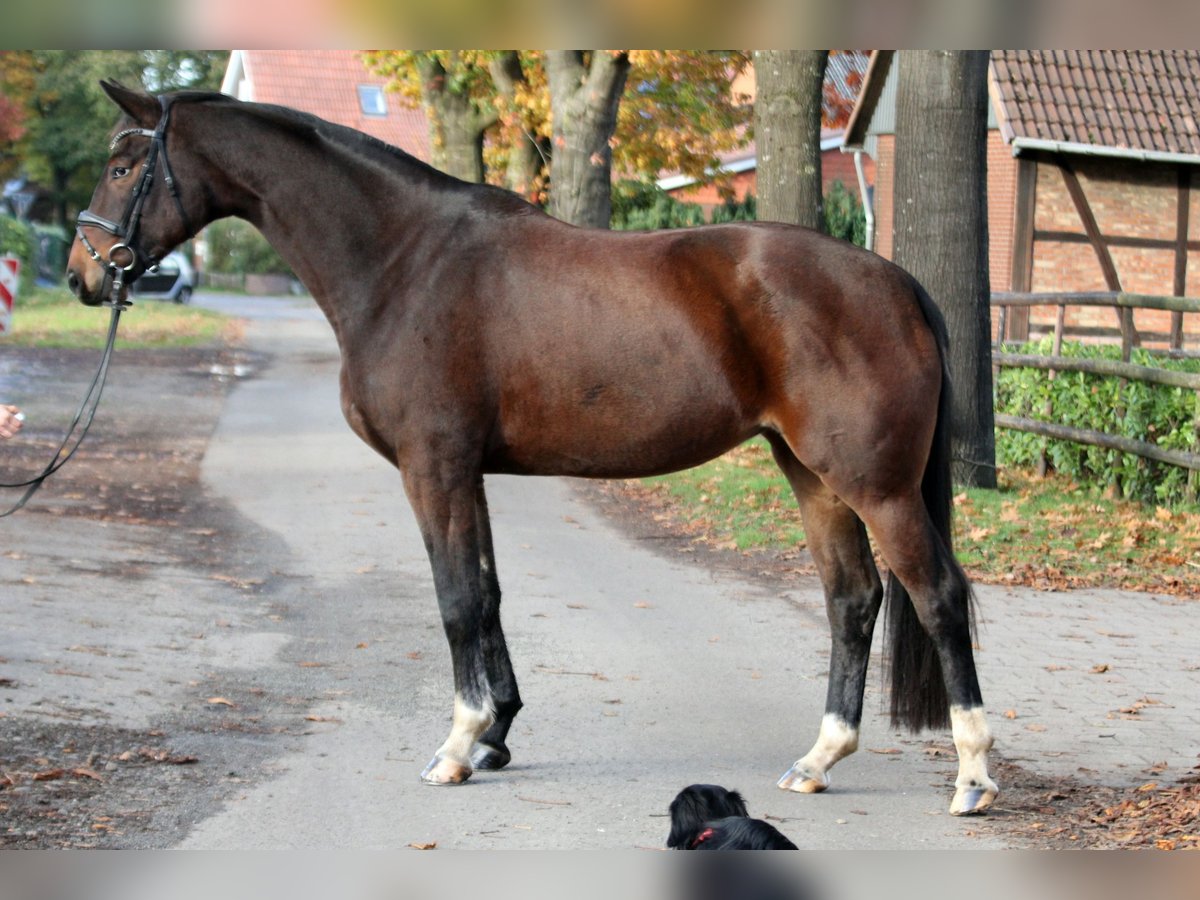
x,y
126,230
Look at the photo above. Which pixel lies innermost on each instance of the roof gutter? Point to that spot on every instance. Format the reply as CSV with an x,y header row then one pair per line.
x,y
865,195
1023,145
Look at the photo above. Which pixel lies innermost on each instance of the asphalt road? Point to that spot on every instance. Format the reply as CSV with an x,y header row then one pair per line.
x,y
286,636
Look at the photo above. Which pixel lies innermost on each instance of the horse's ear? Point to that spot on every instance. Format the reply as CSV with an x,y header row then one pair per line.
x,y
142,108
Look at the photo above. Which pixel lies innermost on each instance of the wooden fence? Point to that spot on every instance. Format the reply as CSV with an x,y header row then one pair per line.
x,y
1056,362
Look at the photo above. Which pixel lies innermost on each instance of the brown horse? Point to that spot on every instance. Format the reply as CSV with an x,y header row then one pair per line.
x,y
479,335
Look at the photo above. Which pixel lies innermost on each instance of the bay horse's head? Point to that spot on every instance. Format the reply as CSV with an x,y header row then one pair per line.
x,y
137,214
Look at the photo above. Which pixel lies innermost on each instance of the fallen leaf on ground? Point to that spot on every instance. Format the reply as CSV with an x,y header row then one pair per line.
x,y
432,845
219,701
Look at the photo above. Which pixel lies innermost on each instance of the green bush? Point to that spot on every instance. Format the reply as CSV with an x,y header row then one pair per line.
x,y
638,206
844,216
238,248
17,239
1161,415
736,210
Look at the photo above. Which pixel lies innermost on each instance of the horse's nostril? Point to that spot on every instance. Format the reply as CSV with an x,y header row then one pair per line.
x,y
74,283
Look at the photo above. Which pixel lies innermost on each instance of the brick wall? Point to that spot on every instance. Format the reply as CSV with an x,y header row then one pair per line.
x,y
1128,199
885,191
1002,190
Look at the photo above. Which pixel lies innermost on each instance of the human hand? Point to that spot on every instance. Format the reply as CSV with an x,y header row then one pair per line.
x,y
10,420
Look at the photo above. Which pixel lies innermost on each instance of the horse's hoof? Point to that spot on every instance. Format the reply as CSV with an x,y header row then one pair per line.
x,y
972,801
488,758
443,770
803,782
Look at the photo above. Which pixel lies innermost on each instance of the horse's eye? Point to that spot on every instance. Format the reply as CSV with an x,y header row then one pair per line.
x,y
119,172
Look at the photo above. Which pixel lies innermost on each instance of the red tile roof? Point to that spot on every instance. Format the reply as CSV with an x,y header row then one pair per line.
x,y
325,83
1139,100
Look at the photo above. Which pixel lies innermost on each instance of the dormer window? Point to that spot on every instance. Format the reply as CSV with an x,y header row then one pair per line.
x,y
371,100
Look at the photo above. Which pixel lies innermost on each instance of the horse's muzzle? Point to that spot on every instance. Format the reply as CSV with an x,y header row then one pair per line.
x,y
77,285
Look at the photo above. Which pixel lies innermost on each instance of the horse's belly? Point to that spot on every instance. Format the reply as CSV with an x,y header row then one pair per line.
x,y
618,430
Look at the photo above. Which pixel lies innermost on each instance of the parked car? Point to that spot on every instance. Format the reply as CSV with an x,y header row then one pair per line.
x,y
172,279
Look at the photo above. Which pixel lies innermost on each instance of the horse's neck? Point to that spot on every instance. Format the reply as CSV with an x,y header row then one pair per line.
x,y
340,216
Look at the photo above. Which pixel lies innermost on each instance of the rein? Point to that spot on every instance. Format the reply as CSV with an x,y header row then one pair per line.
x,y
114,282
86,413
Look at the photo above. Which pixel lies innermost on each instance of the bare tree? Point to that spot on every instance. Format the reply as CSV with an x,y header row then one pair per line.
x,y
585,92
787,133
941,230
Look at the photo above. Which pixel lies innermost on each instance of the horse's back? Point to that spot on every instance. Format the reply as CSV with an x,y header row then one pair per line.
x,y
625,353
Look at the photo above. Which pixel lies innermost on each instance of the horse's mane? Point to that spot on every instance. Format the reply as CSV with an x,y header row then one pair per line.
x,y
358,143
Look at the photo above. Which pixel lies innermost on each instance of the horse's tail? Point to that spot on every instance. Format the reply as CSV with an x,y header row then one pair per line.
x,y
918,691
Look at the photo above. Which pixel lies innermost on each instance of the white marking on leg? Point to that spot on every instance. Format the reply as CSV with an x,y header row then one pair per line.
x,y
974,788
836,740
469,723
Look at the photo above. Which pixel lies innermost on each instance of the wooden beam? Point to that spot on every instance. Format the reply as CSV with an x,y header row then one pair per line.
x,y
1021,278
1150,374
1112,240
1100,439
1098,298
1183,204
1088,218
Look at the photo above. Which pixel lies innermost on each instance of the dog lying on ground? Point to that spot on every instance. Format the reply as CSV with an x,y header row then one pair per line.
x,y
709,817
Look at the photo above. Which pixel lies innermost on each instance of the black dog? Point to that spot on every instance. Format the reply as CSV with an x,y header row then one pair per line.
x,y
709,817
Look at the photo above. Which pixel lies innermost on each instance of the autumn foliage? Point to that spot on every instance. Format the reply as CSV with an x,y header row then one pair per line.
x,y
679,112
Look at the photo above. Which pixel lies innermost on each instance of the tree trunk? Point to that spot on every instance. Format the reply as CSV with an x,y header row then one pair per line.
x,y
787,134
585,93
456,125
527,153
941,230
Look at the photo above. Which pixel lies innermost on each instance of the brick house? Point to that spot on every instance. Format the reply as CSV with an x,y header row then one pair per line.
x,y
843,77
743,168
1091,158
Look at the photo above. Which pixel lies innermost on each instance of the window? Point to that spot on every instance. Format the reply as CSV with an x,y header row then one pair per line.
x,y
371,100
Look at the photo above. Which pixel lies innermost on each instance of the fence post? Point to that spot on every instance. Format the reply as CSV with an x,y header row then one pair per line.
x,y
1193,482
1060,318
1127,337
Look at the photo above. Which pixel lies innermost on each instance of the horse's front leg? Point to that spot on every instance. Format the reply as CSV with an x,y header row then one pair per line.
x,y
491,752
443,497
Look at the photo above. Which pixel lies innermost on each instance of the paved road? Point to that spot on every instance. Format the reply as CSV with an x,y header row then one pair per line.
x,y
319,645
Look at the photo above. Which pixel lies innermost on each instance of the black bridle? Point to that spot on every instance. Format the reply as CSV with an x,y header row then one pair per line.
x,y
114,280
126,230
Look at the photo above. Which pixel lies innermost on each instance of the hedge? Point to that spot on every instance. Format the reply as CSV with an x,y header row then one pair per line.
x,y
1158,414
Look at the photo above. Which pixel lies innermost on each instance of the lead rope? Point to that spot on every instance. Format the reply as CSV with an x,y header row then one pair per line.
x,y
86,413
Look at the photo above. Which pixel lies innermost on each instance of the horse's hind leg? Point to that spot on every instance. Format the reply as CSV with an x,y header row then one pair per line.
x,y
838,543
491,751
443,498
940,598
